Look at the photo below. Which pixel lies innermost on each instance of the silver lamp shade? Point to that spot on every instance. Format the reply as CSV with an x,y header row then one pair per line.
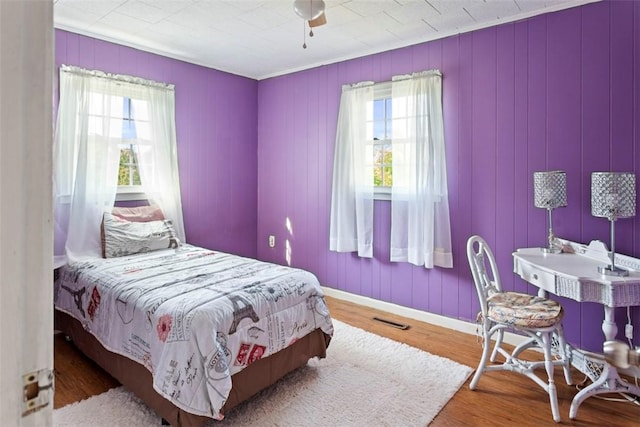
x,y
550,189
613,196
550,192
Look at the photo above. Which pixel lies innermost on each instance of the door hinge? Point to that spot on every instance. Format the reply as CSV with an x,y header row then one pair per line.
x,y
37,390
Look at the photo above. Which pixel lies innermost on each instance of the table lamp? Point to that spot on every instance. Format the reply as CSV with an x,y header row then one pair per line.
x,y
550,192
613,196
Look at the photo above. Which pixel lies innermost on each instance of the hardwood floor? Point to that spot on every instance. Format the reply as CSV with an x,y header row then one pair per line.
x,y
501,399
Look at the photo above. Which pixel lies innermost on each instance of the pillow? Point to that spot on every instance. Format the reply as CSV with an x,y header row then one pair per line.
x,y
122,237
139,213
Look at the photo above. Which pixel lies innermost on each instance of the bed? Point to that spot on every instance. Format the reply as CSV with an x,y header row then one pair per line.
x,y
191,331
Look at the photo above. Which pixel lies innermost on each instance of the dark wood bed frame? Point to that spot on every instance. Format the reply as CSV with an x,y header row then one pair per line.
x,y
246,383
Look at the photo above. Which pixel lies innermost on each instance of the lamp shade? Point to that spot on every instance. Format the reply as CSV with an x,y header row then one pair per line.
x,y
613,195
550,189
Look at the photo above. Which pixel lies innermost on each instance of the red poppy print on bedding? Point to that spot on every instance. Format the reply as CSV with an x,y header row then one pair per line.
x,y
94,303
164,327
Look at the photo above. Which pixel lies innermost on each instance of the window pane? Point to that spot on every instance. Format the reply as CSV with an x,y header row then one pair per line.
x,y
116,107
399,106
124,172
389,129
388,178
399,128
128,129
369,112
135,171
377,176
377,155
387,154
143,130
115,128
95,125
400,153
95,103
128,125
381,123
379,131
128,173
140,110
126,108
378,109
369,153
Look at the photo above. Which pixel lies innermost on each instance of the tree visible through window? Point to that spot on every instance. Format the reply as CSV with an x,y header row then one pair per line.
x,y
128,173
382,150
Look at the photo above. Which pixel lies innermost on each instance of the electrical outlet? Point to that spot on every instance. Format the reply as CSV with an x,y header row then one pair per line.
x,y
272,241
628,331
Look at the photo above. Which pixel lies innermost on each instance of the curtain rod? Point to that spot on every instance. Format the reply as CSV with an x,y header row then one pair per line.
x,y
431,72
115,77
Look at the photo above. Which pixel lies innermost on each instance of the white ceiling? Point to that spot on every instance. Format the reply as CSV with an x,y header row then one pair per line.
x,y
261,39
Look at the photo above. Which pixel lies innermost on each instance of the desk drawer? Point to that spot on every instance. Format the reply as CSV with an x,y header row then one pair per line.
x,y
542,279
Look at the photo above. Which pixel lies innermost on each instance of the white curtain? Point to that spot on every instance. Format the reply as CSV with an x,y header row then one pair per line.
x,y
420,227
158,156
351,227
87,153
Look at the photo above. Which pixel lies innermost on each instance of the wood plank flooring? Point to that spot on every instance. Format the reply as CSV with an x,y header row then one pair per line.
x,y
501,399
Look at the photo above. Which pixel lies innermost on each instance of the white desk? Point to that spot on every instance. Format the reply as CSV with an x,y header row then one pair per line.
x,y
575,275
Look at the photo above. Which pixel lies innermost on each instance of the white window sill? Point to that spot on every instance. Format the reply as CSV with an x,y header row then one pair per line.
x,y
382,193
126,193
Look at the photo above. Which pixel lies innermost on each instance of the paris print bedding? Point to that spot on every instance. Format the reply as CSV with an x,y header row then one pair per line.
x,y
192,316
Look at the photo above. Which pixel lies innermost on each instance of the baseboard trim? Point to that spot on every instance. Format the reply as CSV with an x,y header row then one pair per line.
x,y
434,319
412,313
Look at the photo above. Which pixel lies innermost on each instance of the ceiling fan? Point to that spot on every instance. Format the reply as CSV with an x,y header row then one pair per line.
x,y
312,11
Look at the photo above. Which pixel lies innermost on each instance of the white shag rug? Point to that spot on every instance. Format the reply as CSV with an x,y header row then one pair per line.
x,y
366,380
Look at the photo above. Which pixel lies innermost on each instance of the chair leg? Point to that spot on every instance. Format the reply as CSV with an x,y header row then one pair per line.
x,y
497,345
565,352
486,349
549,367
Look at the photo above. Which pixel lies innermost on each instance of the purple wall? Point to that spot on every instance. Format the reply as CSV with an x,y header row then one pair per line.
x,y
216,125
558,91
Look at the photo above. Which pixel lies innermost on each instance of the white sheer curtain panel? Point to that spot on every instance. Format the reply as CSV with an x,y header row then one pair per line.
x,y
420,225
158,152
87,153
351,227
86,157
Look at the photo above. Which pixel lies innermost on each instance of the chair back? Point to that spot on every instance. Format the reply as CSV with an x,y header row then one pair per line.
x,y
484,270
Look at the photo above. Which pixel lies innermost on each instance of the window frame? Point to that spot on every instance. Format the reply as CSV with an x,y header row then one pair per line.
x,y
382,91
132,191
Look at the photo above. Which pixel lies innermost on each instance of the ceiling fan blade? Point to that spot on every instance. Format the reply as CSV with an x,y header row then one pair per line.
x,y
320,20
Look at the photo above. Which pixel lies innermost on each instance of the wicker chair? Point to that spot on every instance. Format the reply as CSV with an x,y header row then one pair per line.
x,y
538,319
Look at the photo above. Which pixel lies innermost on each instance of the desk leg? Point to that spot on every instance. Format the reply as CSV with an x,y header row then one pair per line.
x,y
609,327
609,381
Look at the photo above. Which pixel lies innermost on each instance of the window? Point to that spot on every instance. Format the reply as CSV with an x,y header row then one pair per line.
x,y
111,123
380,116
390,145
128,172
125,120
380,125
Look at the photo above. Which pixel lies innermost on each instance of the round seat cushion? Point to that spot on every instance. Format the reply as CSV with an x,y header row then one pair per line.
x,y
523,310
